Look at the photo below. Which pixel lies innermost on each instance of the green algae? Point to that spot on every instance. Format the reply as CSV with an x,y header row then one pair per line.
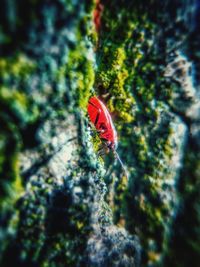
x,y
18,66
80,72
130,79
110,79
40,235
56,217
19,109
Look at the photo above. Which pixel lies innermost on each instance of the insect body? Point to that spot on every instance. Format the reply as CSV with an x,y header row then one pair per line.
x,y
97,15
100,117
102,121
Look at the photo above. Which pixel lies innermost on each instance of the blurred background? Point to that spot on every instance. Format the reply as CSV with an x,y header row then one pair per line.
x,y
61,204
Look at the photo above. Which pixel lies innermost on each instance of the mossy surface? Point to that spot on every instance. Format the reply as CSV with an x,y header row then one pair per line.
x,y
61,204
37,85
130,77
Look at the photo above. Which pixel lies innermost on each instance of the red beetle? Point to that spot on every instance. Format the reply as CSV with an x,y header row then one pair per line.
x,y
97,15
100,117
102,121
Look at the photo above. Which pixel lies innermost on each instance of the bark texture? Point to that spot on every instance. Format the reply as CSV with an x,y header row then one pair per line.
x,y
61,204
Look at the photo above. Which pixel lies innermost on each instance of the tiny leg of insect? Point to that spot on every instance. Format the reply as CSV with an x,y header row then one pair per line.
x,y
94,131
101,151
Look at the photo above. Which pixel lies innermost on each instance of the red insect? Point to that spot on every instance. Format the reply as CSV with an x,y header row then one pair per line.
x,y
97,15
100,117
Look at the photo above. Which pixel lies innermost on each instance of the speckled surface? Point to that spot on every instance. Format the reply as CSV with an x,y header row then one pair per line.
x,y
61,204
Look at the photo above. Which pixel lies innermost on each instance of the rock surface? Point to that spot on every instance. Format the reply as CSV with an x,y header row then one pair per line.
x,y
61,204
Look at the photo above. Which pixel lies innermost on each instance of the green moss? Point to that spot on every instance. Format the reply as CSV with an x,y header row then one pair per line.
x,y
15,188
79,70
34,90
111,79
19,104
9,170
56,214
10,181
17,66
131,81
